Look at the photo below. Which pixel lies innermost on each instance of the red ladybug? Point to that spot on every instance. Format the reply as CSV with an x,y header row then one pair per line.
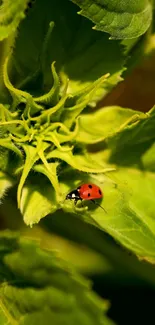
x,y
85,192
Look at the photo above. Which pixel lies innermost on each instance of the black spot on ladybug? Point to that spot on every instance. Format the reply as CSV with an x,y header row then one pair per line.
x,y
88,194
90,186
100,192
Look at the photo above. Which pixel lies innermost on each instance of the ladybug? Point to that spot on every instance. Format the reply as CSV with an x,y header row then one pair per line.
x,y
86,192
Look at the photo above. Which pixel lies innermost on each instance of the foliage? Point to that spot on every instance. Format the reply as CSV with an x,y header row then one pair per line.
x,y
55,67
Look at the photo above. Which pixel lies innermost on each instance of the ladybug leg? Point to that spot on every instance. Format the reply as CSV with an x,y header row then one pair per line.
x,y
75,201
82,203
99,205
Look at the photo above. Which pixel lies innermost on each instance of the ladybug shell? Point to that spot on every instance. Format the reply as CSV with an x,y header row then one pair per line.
x,y
89,192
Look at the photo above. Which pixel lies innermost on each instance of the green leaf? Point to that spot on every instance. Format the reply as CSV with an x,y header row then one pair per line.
x,y
130,216
128,146
125,19
83,99
108,321
31,158
6,143
5,183
105,123
11,13
3,317
39,288
49,170
148,159
37,199
19,96
128,201
90,262
78,161
122,267
4,159
127,133
61,35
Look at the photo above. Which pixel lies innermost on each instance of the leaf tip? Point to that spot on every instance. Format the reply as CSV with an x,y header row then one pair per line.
x,y
80,13
51,24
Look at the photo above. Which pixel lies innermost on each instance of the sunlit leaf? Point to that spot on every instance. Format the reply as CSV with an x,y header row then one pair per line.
x,y
79,162
31,158
128,201
105,123
125,19
37,200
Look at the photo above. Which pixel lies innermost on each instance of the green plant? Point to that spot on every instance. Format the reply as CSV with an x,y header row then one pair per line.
x,y
54,71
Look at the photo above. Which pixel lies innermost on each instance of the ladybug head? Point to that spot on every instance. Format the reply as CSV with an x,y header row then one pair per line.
x,y
73,195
